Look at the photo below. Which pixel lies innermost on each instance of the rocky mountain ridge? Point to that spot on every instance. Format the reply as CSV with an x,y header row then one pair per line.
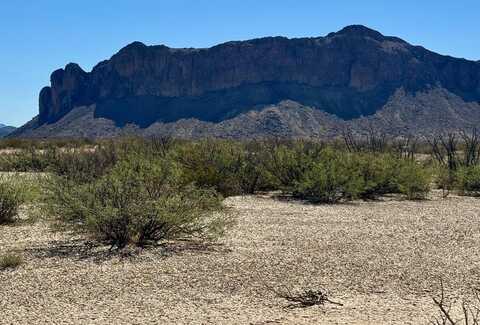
x,y
350,76
5,130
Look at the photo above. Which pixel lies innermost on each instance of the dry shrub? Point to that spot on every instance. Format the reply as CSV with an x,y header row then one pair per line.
x,y
11,199
231,168
138,201
307,298
10,261
468,180
467,311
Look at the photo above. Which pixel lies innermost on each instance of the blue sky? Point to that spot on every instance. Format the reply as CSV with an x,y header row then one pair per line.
x,y
38,37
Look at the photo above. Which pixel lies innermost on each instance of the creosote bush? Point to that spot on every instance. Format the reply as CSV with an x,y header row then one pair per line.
x,y
377,173
138,201
335,176
11,198
468,180
30,159
445,179
285,163
138,191
316,172
231,168
329,180
82,165
414,180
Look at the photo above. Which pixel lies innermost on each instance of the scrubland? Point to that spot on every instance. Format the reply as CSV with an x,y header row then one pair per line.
x,y
162,231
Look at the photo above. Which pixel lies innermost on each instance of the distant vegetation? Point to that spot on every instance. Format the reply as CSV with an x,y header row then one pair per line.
x,y
139,191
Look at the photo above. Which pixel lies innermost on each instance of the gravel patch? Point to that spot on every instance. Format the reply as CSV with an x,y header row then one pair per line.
x,y
382,260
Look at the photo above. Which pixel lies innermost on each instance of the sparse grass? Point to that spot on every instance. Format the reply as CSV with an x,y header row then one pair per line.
x,y
10,261
26,191
11,198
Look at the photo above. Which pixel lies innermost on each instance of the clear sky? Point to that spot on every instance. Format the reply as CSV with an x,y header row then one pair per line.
x,y
39,36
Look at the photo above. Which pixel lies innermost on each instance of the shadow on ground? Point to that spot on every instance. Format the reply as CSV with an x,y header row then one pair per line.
x,y
81,249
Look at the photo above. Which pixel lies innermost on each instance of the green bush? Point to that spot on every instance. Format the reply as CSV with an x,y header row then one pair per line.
x,y
39,144
330,180
413,180
10,261
284,164
445,179
25,160
229,167
138,201
73,161
81,165
384,174
468,180
378,173
336,176
11,199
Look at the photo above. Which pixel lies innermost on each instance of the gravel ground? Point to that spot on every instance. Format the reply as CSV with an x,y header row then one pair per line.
x,y
382,260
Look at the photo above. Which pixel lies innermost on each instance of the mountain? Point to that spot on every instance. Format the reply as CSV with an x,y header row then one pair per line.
x,y
5,130
310,87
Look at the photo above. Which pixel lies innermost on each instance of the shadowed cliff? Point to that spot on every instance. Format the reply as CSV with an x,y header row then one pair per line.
x,y
349,74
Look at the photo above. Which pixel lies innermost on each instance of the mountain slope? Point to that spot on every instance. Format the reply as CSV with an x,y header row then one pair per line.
x,y
5,130
355,74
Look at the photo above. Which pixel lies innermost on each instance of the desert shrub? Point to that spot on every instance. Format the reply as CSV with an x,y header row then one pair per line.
x,y
445,179
465,311
228,167
378,173
330,179
62,157
335,175
159,146
138,201
284,164
39,144
468,180
10,200
253,175
413,180
10,261
83,166
307,298
25,160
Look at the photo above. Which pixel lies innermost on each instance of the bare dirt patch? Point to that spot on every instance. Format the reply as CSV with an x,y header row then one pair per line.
x,y
381,260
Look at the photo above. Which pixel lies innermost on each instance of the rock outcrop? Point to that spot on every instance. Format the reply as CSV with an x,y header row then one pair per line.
x,y
349,74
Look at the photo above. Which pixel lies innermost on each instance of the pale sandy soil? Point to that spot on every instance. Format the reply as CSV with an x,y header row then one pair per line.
x,y
382,260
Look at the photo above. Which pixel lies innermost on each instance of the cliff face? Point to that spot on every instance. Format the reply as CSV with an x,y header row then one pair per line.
x,y
349,74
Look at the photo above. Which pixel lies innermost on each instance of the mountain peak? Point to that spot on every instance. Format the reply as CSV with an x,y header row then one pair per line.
x,y
73,67
359,31
134,46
